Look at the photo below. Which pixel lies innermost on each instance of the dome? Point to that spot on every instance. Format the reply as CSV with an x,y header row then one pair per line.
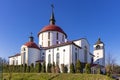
x,y
31,45
52,27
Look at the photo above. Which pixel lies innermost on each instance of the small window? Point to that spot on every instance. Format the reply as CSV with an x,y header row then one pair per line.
x,y
48,43
43,53
57,49
24,49
49,50
75,48
63,50
97,56
63,38
42,36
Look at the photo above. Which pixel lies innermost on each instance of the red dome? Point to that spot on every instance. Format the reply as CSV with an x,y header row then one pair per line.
x,y
31,45
52,28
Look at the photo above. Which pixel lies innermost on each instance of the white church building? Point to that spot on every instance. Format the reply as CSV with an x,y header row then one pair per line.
x,y
53,46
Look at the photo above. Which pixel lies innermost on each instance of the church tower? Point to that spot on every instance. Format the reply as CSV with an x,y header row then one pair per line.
x,y
99,53
51,34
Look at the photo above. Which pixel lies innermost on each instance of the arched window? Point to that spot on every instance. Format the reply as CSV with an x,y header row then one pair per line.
x,y
75,57
85,54
98,47
49,58
48,35
57,58
57,36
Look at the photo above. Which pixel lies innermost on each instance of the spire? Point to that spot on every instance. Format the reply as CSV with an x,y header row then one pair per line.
x,y
99,41
52,18
31,38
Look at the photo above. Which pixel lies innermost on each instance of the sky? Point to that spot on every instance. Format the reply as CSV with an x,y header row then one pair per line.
x,y
89,19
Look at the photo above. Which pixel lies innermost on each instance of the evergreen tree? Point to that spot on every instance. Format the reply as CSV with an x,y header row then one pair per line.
x,y
78,67
32,68
28,69
21,68
24,67
49,68
72,70
38,67
87,68
43,67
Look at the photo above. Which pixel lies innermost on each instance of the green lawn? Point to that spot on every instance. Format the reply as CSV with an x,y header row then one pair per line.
x,y
51,76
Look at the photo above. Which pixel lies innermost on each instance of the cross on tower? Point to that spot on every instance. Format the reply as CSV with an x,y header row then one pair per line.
x,y
31,33
52,6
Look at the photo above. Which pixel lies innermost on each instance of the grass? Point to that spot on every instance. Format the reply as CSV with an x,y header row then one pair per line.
x,y
52,76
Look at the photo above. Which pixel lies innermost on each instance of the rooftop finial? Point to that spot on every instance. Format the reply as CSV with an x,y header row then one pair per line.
x,y
31,38
52,18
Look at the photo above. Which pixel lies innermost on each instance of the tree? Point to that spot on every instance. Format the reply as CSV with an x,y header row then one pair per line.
x,y
110,64
49,68
43,67
38,67
32,68
28,69
72,70
87,68
24,67
53,68
57,69
78,67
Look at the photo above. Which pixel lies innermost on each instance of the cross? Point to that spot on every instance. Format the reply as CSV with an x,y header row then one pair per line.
x,y
52,6
31,33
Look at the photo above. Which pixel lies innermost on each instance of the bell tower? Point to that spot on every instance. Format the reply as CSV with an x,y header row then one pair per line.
x,y
99,53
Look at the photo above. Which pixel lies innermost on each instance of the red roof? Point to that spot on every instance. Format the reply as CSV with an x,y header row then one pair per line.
x,y
52,28
31,45
18,54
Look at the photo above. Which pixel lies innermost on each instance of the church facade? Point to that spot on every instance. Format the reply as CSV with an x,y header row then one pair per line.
x,y
53,46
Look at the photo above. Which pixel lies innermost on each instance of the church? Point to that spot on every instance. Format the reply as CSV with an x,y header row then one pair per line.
x,y
53,46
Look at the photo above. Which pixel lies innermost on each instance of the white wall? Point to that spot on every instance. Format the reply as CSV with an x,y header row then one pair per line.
x,y
82,43
64,55
99,55
31,55
16,59
43,38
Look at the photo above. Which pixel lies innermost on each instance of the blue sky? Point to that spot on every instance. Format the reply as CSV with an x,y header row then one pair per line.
x,y
78,18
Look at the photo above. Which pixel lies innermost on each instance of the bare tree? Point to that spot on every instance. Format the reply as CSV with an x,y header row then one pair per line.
x,y
110,62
